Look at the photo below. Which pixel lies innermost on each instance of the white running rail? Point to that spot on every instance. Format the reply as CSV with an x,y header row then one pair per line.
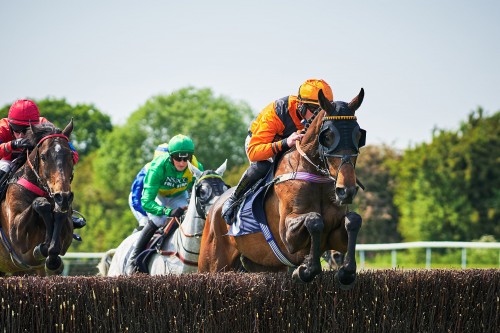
x,y
360,248
393,247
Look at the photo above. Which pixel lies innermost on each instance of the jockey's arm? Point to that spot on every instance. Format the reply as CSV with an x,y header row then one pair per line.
x,y
261,145
152,182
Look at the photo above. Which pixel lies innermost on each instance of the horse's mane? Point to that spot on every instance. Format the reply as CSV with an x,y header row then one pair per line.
x,y
36,132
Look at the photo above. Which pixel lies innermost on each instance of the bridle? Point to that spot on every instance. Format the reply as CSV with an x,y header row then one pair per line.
x,y
200,207
42,182
325,152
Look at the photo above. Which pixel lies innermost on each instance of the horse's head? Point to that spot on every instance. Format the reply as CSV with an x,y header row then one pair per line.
x,y
52,162
336,135
208,187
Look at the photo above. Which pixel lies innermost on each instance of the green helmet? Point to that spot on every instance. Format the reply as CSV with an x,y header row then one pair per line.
x,y
181,144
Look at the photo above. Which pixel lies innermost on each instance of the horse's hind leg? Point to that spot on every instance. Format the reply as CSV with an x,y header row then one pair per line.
x,y
347,273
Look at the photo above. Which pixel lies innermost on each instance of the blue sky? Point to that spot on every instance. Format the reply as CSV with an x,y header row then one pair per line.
x,y
423,64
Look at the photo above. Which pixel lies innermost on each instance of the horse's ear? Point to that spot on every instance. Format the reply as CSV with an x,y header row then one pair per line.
x,y
356,101
194,170
325,103
69,128
221,169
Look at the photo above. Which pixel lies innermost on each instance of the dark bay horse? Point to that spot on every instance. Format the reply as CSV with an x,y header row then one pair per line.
x,y
306,207
35,215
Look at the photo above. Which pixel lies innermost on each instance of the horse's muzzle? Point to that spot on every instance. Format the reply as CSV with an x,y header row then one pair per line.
x,y
345,195
63,201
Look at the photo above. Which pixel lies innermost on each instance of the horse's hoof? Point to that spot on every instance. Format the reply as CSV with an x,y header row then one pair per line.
x,y
300,276
345,282
54,265
38,253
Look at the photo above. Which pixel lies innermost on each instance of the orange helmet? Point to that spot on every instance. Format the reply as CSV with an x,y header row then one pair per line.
x,y
24,112
308,91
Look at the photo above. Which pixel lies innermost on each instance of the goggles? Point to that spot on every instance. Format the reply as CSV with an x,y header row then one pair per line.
x,y
182,157
18,128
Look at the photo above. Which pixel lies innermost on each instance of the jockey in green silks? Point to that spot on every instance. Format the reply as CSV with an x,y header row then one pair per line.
x,y
165,193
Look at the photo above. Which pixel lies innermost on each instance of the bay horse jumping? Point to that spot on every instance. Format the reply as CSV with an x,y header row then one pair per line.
x,y
305,206
36,227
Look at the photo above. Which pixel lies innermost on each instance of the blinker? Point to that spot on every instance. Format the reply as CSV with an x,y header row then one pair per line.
x,y
343,134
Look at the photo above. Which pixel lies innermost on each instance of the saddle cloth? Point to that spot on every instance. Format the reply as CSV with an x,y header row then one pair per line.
x,y
251,212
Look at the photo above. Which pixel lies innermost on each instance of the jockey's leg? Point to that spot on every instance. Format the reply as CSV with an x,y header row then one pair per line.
x,y
4,173
145,236
255,172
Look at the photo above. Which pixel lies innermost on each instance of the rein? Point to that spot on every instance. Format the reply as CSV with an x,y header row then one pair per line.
x,y
325,172
196,235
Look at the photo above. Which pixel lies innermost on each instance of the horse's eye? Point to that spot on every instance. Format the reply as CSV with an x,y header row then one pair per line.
x,y
43,157
327,138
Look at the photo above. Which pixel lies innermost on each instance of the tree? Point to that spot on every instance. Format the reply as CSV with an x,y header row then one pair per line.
x,y
375,203
448,189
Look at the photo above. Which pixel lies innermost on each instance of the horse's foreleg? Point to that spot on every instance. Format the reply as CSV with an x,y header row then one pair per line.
x,y
55,242
42,207
51,247
54,263
313,222
347,273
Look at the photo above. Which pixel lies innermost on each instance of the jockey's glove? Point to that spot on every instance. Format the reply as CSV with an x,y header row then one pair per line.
x,y
20,143
176,212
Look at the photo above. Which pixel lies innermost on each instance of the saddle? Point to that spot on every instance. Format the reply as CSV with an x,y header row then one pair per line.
x,y
8,177
154,246
250,212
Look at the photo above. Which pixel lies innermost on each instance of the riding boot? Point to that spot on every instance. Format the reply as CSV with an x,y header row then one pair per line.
x,y
2,174
254,173
146,233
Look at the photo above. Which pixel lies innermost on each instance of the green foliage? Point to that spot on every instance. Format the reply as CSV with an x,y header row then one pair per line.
x,y
375,203
104,211
449,189
90,124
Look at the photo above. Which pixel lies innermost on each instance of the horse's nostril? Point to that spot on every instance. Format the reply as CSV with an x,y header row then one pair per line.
x,y
58,198
340,191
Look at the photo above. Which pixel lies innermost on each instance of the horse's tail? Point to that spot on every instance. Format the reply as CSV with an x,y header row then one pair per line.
x,y
105,262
